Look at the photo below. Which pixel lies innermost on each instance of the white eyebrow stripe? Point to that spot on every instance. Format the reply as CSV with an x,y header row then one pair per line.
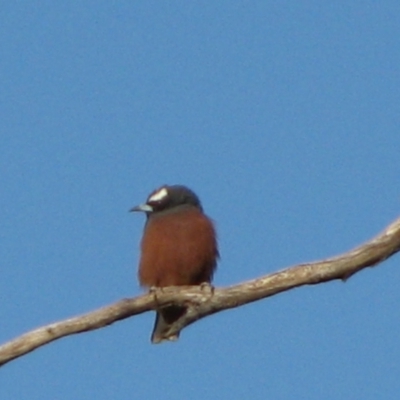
x,y
159,195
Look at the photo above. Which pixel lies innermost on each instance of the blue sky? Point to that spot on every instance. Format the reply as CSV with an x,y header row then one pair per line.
x,y
283,116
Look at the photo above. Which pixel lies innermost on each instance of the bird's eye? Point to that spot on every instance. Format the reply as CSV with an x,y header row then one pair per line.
x,y
158,196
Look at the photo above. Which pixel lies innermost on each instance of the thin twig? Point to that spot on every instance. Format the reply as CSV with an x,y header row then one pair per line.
x,y
201,303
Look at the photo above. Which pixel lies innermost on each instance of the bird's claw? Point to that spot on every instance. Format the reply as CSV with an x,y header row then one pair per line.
x,y
207,288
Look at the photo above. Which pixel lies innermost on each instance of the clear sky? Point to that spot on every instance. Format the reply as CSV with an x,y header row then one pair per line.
x,y
283,116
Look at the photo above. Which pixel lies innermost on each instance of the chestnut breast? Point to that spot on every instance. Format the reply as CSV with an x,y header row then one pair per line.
x,y
178,248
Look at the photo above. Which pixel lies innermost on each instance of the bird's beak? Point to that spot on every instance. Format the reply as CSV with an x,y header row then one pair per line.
x,y
142,207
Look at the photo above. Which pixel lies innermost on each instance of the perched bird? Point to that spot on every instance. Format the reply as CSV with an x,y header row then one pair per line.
x,y
178,247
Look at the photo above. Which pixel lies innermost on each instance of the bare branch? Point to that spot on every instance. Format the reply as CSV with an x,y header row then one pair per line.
x,y
201,301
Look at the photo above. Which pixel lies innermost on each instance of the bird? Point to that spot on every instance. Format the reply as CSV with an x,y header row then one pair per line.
x,y
178,248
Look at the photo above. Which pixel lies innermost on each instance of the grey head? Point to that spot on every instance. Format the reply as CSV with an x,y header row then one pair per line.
x,y
168,198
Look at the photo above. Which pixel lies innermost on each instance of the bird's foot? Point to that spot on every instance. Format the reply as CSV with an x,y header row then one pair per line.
x,y
155,290
207,288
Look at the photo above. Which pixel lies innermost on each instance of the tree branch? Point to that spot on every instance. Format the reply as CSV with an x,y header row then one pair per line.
x,y
203,301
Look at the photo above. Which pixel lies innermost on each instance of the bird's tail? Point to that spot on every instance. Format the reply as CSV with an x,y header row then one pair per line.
x,y
164,318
